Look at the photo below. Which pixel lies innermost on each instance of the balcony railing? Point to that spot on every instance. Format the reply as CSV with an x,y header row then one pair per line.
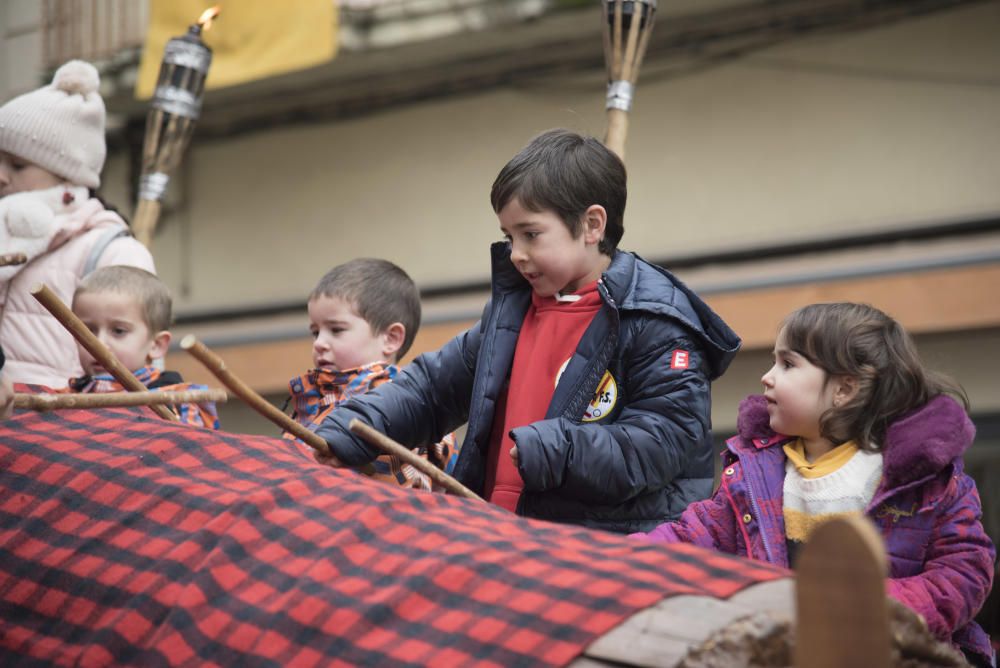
x,y
369,24
94,30
109,30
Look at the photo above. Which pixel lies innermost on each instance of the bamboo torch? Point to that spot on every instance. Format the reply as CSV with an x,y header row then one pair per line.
x,y
172,116
628,25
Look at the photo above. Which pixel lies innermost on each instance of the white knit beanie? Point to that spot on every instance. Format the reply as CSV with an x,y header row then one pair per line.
x,y
59,127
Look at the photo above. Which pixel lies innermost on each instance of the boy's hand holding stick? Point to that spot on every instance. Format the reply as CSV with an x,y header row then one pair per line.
x,y
49,402
391,447
6,391
217,366
75,326
12,259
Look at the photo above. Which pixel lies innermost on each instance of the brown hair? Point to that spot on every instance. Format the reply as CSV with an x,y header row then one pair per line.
x,y
858,340
146,288
380,292
565,172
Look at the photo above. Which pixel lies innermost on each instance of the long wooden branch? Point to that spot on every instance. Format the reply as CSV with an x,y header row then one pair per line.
x,y
391,447
49,402
217,366
75,326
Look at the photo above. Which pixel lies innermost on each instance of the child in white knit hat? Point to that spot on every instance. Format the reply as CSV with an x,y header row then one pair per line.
x,y
52,150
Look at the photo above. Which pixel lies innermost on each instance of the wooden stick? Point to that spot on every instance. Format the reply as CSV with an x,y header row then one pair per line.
x,y
12,259
617,130
147,213
50,402
616,41
217,366
631,44
92,345
391,447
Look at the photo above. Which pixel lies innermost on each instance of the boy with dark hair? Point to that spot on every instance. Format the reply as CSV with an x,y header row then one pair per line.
x,y
586,385
129,310
364,315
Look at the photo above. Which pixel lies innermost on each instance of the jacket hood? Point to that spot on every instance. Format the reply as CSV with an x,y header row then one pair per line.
x,y
918,444
753,422
926,440
81,217
636,285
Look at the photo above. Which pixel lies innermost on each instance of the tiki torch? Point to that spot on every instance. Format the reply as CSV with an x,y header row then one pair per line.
x,y
627,27
172,116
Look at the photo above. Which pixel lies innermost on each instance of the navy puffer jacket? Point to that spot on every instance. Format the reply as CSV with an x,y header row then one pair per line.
x,y
642,462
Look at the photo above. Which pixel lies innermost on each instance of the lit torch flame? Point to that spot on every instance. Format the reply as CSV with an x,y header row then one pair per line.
x,y
207,16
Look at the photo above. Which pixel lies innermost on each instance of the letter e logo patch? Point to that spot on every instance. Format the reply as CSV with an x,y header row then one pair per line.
x,y
679,359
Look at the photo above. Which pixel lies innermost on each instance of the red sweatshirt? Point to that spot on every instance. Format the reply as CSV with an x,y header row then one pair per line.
x,y
552,329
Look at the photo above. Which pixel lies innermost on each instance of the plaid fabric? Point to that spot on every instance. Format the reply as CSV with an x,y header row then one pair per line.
x,y
318,392
129,540
198,415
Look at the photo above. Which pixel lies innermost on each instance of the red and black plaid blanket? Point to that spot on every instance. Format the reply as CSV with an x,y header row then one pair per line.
x,y
128,540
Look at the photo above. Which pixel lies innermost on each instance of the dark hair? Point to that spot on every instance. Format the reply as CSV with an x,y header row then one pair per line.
x,y
858,340
92,192
380,291
565,172
152,295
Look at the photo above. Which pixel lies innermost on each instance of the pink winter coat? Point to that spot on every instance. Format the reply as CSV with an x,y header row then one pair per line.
x,y
39,349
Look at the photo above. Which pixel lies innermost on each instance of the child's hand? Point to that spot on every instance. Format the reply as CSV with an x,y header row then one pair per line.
x,y
327,459
513,454
6,398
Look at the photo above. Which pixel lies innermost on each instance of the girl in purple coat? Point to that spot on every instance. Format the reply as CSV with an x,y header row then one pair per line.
x,y
850,422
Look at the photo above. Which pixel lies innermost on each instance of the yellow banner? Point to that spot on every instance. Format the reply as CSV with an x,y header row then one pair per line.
x,y
251,39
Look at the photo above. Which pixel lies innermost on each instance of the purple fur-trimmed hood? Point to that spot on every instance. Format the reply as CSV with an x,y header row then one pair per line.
x,y
926,440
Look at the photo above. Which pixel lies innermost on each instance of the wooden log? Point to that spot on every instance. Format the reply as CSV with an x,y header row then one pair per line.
x,y
834,613
49,402
391,447
663,634
217,366
92,345
842,610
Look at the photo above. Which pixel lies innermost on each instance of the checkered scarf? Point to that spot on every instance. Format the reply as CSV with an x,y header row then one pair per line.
x,y
199,415
319,391
129,540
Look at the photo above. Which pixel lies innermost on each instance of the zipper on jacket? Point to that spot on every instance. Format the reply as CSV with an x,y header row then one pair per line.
x,y
603,289
480,380
756,512
578,402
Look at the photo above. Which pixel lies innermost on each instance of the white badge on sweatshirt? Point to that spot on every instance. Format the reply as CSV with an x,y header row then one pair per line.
x,y
604,399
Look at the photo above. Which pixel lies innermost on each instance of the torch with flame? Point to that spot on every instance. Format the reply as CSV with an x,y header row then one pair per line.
x,y
628,25
175,109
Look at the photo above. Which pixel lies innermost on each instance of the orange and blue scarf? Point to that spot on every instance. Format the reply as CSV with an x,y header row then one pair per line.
x,y
316,393
198,415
